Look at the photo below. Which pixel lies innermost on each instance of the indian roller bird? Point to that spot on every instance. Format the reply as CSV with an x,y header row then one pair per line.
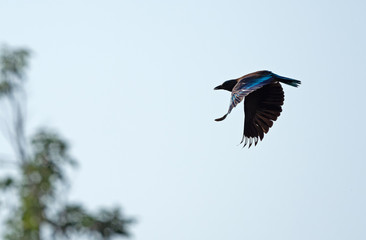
x,y
263,97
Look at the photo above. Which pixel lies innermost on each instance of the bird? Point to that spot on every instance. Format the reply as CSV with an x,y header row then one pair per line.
x,y
263,99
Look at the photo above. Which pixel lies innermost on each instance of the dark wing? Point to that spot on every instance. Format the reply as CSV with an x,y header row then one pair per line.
x,y
261,108
245,86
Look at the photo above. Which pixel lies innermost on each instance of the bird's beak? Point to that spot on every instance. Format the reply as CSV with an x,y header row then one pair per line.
x,y
218,87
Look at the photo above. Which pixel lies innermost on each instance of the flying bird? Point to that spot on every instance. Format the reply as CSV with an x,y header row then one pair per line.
x,y
263,97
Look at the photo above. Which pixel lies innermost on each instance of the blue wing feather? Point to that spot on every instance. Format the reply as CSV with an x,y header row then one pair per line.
x,y
247,84
250,83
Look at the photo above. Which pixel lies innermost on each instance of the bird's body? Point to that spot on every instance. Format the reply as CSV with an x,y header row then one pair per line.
x,y
263,100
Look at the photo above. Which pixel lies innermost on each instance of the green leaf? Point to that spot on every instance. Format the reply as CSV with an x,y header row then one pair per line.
x,y
7,183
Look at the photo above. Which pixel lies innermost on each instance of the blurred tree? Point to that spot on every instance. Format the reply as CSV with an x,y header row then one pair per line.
x,y
41,173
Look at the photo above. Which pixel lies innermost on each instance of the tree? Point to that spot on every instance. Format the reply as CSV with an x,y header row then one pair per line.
x,y
40,173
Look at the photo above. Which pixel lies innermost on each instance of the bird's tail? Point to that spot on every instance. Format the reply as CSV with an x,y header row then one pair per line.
x,y
289,81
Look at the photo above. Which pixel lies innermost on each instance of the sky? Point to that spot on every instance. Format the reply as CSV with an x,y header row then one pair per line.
x,y
130,85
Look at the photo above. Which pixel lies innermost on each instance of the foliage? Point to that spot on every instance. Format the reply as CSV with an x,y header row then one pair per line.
x,y
106,223
13,64
41,174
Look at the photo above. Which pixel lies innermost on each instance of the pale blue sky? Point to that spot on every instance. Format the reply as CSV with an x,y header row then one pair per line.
x,y
130,84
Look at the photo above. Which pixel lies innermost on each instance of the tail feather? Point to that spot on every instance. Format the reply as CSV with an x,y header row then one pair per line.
x,y
221,118
288,81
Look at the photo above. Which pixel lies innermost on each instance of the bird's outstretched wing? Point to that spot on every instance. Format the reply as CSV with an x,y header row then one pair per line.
x,y
246,85
261,108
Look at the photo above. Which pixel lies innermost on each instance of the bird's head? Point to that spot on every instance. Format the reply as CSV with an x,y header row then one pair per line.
x,y
228,85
